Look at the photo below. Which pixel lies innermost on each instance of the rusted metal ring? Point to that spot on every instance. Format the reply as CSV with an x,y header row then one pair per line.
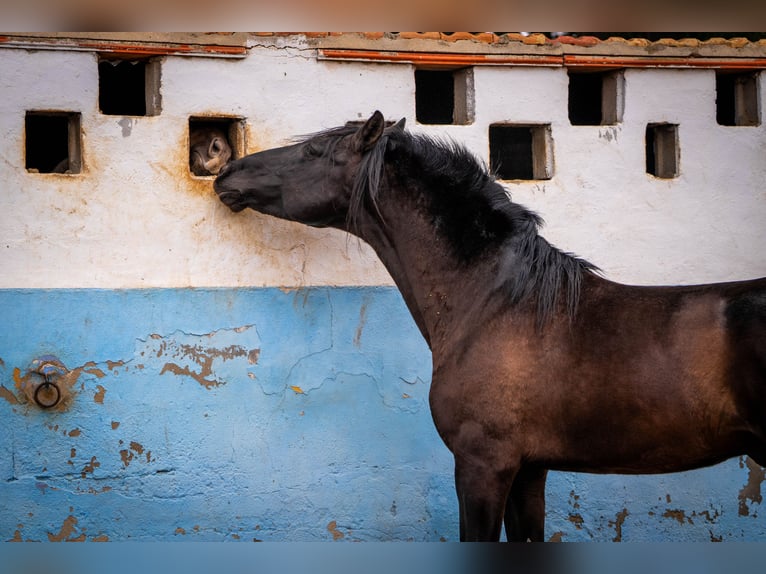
x,y
41,386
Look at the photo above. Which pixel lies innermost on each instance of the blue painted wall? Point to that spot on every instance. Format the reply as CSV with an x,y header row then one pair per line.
x,y
268,414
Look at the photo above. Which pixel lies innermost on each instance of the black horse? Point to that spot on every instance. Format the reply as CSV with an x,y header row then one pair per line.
x,y
538,362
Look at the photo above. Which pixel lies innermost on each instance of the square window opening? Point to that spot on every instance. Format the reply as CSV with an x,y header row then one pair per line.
x,y
736,99
214,141
521,152
662,150
596,98
129,87
444,96
52,142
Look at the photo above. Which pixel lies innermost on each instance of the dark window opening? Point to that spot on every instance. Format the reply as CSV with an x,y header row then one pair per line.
x,y
520,152
52,142
736,100
585,99
595,98
444,96
213,141
662,150
129,87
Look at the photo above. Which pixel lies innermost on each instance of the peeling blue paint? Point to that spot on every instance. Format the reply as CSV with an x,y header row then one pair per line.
x,y
265,414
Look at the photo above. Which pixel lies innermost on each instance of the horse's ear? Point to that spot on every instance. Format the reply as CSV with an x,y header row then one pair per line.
x,y
398,125
369,134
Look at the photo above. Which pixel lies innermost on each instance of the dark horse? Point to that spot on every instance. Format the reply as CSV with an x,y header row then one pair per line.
x,y
538,362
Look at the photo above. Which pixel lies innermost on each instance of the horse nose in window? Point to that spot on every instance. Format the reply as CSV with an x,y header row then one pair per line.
x,y
225,168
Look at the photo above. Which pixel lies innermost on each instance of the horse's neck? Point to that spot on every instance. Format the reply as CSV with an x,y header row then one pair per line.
x,y
432,282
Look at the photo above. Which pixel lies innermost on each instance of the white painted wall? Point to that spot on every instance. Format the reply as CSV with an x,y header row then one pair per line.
x,y
135,217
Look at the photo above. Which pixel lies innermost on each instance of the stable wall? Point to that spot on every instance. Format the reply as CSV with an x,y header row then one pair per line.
x,y
239,377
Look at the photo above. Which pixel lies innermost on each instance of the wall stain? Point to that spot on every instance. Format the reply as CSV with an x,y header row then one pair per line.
x,y
619,520
332,528
99,396
136,449
752,490
112,365
711,518
96,372
68,532
678,515
203,357
90,467
8,396
556,537
575,517
362,322
577,520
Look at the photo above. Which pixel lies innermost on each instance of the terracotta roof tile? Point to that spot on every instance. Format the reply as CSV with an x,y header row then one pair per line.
x,y
574,40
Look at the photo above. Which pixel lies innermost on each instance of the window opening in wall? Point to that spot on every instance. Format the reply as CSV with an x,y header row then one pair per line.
x,y
662,150
444,96
736,99
52,142
595,98
520,151
129,87
213,141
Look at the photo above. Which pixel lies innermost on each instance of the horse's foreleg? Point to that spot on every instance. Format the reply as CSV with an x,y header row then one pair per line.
x,y
525,508
482,493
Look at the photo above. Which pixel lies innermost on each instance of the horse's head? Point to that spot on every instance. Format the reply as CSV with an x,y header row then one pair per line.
x,y
310,182
209,150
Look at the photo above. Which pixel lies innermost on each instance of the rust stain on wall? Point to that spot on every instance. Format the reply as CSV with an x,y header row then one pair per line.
x,y
90,467
332,528
752,490
98,373
678,515
203,357
556,537
577,520
28,383
575,517
136,449
8,396
619,520
206,371
66,531
112,365
99,396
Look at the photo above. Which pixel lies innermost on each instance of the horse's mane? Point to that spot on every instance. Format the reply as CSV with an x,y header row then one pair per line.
x,y
475,214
